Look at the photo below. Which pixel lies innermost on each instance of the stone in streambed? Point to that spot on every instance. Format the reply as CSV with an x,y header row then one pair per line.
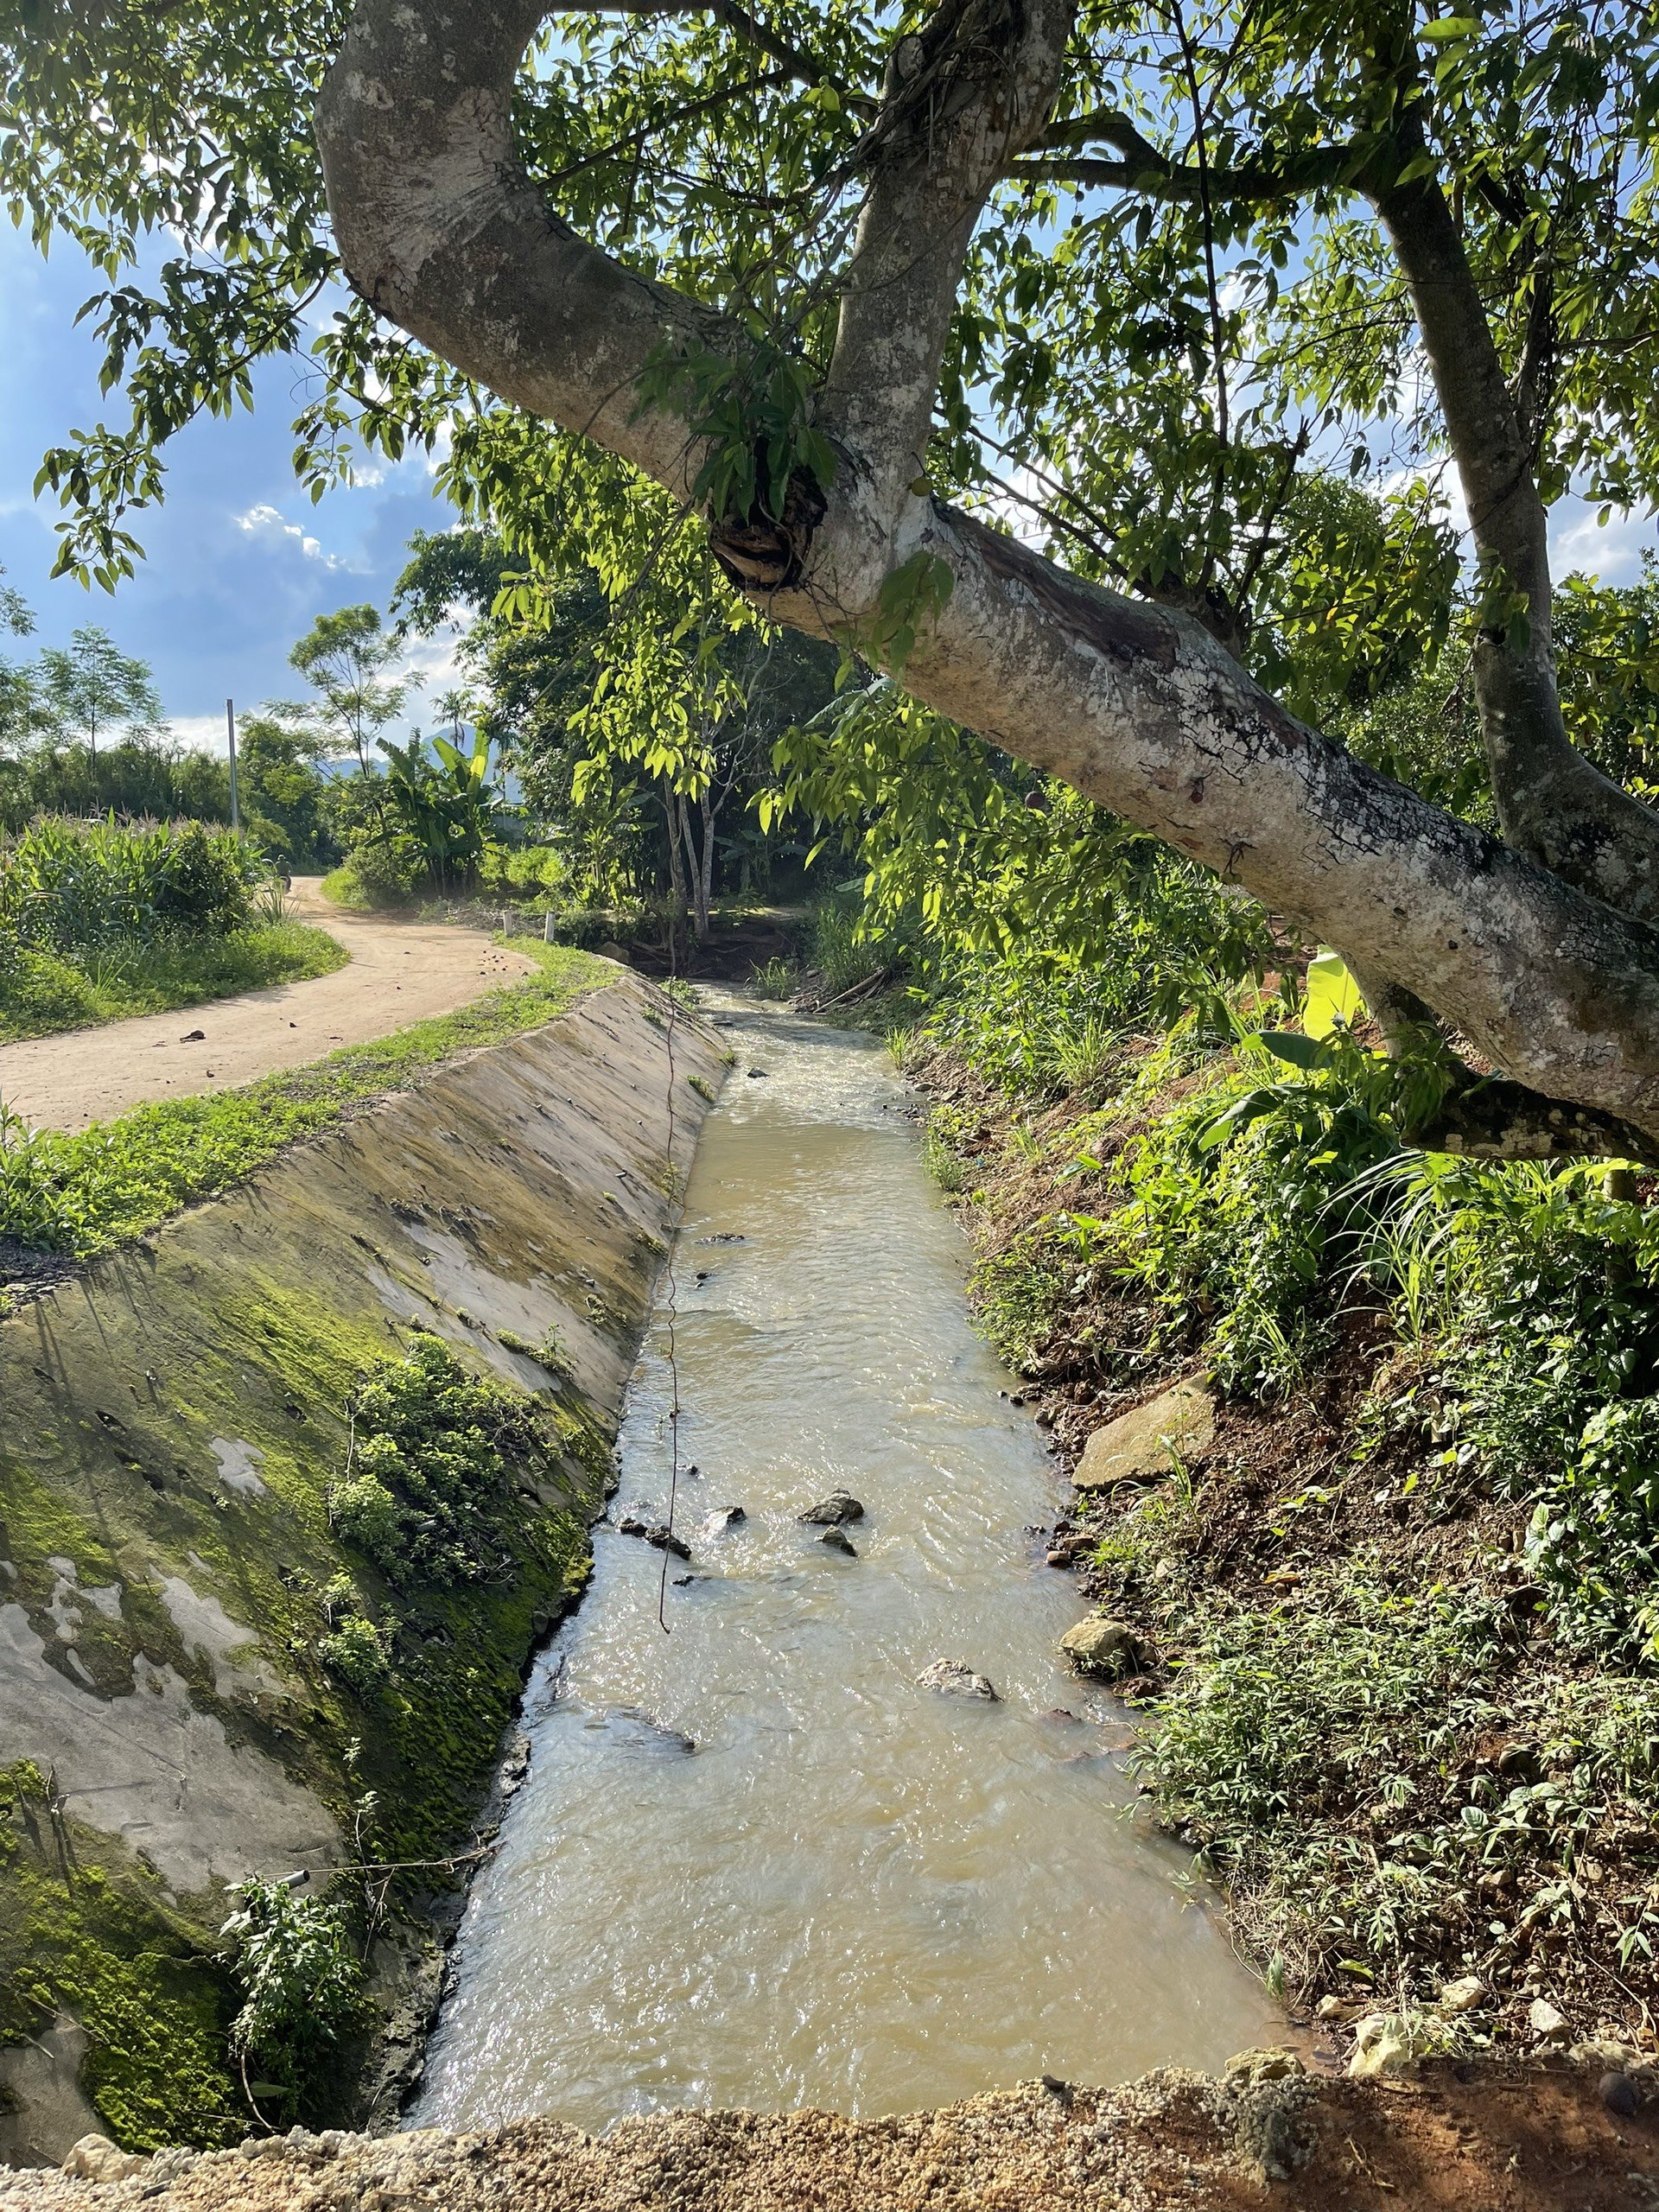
x,y
1136,1445
956,1680
657,1533
723,1517
838,1541
840,1505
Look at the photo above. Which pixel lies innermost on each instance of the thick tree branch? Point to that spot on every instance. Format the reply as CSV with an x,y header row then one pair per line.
x,y
1551,801
1135,706
1058,153
962,97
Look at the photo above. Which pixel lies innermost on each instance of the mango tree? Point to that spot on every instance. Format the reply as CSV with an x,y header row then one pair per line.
x,y
832,297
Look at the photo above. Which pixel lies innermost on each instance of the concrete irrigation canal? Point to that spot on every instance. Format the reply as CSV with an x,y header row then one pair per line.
x,y
802,1821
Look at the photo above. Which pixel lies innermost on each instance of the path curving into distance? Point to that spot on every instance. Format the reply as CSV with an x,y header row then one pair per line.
x,y
399,972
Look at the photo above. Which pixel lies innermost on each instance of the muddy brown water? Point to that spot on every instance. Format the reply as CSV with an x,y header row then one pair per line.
x,y
854,1892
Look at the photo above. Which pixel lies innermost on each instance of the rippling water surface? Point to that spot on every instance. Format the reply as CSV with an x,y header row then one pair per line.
x,y
854,1892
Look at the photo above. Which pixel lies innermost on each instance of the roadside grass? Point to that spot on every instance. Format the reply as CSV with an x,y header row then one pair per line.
x,y
43,992
83,1192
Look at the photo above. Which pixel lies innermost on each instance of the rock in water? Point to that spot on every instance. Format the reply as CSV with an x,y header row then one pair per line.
x,y
951,1675
654,1532
838,1541
1098,1646
840,1505
723,1517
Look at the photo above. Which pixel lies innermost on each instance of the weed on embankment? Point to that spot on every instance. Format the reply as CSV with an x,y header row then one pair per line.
x,y
1401,1620
83,1192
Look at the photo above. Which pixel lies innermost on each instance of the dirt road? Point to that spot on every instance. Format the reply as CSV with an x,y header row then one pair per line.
x,y
399,972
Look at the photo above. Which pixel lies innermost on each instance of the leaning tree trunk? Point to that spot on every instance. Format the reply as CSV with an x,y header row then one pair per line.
x,y
1136,706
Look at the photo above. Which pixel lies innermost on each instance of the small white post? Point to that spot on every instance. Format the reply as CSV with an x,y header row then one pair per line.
x,y
230,725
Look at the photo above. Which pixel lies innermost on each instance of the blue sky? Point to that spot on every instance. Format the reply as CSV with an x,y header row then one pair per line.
x,y
239,561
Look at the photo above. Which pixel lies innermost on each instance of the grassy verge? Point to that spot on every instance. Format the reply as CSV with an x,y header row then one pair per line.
x,y
1399,1622
82,1193
41,993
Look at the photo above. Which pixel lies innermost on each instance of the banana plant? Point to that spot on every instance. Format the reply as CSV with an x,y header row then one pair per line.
x,y
447,799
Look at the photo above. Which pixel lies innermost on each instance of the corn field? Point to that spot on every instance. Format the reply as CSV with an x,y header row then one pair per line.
x,y
75,888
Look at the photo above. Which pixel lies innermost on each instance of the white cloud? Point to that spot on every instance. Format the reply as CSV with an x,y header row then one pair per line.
x,y
1611,552
269,524
198,733
435,661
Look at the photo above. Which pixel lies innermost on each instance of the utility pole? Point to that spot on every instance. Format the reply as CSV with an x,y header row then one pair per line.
x,y
230,725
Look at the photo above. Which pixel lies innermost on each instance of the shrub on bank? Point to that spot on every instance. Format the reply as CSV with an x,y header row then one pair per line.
x,y
303,1982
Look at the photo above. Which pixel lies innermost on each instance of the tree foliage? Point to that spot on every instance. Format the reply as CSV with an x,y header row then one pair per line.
x,y
1243,300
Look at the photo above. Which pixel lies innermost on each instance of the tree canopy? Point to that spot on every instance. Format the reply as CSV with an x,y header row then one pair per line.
x,y
1116,377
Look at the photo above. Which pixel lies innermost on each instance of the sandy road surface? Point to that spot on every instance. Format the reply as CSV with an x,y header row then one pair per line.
x,y
399,972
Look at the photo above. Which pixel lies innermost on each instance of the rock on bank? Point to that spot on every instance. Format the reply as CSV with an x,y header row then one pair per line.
x,y
171,1421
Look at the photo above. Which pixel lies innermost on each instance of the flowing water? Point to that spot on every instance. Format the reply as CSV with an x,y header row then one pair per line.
x,y
855,1891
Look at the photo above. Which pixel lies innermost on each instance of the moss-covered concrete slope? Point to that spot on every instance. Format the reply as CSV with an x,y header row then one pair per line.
x,y
175,1713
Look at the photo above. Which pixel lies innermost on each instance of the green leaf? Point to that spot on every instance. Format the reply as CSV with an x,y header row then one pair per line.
x,y
1290,1044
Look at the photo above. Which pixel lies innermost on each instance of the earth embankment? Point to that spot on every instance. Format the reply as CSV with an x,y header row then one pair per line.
x,y
1455,2141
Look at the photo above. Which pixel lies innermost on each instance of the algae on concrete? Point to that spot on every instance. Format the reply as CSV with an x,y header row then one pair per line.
x,y
174,1419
